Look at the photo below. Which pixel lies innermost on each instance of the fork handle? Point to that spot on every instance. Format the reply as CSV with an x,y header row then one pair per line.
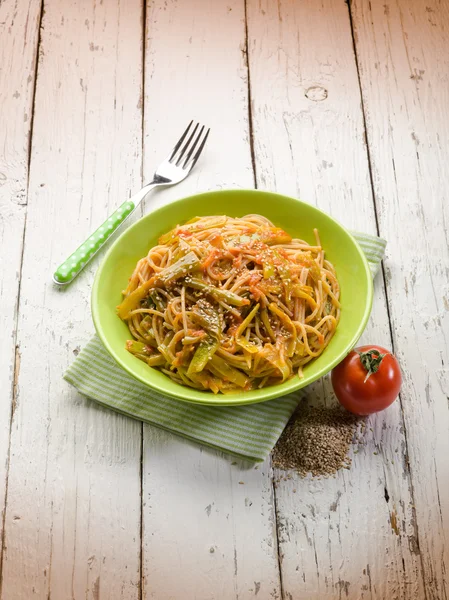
x,y
70,268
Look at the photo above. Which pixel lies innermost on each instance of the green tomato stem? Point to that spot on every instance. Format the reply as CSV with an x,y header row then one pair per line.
x,y
371,360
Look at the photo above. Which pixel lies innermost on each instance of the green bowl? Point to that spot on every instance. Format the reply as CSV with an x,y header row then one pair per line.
x,y
298,219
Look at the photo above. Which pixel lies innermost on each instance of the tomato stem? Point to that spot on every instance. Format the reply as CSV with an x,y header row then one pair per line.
x,y
371,360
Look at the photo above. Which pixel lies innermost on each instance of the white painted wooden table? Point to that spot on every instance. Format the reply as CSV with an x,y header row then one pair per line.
x,y
345,106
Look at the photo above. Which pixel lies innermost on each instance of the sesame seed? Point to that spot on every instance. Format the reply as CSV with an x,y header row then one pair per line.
x,y
316,441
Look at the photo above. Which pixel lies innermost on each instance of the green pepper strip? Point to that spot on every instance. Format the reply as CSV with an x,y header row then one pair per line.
x,y
244,324
229,373
268,270
154,295
251,348
207,380
266,322
157,360
217,293
285,319
133,300
203,353
186,264
138,348
208,319
271,354
273,236
299,293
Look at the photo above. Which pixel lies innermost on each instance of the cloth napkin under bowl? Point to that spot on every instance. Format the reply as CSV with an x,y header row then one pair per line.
x,y
249,432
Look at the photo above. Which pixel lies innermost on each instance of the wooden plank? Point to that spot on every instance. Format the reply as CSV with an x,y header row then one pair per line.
x,y
337,537
403,54
19,27
206,535
72,525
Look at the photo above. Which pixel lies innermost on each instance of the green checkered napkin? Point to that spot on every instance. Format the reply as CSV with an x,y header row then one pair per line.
x,y
247,431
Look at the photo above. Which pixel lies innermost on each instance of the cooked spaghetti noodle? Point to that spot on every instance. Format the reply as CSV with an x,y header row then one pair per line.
x,y
231,304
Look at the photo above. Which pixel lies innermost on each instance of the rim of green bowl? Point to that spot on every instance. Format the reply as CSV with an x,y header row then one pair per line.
x,y
254,396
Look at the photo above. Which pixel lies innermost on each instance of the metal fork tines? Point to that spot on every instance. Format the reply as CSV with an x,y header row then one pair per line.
x,y
183,157
181,151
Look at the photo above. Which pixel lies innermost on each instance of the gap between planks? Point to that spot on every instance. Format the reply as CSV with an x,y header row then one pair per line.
x,y
250,114
253,163
375,209
16,365
384,279
141,590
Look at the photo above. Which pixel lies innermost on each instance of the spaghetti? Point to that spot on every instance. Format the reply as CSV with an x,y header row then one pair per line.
x,y
231,304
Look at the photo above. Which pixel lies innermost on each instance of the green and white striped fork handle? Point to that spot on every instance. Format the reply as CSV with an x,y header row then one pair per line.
x,y
70,268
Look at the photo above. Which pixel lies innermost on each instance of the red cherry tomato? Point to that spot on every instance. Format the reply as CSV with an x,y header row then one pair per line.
x,y
367,380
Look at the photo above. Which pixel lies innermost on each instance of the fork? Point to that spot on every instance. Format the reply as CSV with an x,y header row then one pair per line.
x,y
172,170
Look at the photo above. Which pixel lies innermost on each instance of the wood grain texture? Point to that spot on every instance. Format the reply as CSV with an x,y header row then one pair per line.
x,y
338,538
403,54
19,27
208,520
74,509
72,524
